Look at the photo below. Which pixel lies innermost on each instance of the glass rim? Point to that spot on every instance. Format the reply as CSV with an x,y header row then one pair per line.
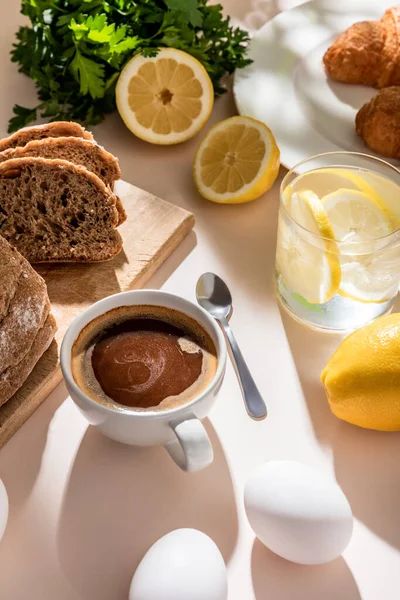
x,y
363,155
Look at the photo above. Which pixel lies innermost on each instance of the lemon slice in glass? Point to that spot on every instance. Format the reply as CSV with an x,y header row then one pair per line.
x,y
165,99
357,220
237,161
307,255
356,216
387,191
369,278
380,190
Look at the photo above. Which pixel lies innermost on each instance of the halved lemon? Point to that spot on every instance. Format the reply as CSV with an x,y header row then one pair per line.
x,y
237,161
307,257
166,99
357,220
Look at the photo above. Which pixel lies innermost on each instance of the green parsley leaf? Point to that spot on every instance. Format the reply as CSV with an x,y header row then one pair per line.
x,y
89,74
22,116
188,11
74,50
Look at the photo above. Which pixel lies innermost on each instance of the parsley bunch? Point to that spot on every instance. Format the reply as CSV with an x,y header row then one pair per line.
x,y
75,49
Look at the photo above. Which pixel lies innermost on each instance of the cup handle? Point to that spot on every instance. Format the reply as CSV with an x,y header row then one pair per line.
x,y
192,449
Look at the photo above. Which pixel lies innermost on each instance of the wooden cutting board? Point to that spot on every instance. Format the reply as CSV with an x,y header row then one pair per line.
x,y
153,229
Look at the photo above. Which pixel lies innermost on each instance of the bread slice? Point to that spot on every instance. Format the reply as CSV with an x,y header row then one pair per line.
x,y
38,132
27,313
77,150
14,377
10,272
55,211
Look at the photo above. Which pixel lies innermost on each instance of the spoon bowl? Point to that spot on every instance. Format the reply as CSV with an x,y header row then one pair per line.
x,y
214,296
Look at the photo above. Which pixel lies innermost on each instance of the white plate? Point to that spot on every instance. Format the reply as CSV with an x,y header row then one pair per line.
x,y
286,86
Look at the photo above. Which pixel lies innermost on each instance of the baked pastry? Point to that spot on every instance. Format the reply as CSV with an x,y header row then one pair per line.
x,y
75,149
368,53
378,122
27,327
38,132
52,210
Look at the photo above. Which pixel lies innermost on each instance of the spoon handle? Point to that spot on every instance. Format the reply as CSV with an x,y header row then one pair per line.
x,y
254,402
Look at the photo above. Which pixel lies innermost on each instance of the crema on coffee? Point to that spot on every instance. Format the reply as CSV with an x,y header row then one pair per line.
x,y
143,358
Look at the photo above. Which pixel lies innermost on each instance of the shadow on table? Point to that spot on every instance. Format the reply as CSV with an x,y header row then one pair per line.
x,y
244,237
278,579
311,351
368,471
121,499
65,282
21,457
366,462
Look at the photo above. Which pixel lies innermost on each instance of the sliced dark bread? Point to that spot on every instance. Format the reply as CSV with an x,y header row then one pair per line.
x,y
27,313
56,211
77,150
13,378
10,272
38,132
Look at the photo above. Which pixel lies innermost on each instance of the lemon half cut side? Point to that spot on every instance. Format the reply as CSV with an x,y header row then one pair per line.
x,y
236,162
164,99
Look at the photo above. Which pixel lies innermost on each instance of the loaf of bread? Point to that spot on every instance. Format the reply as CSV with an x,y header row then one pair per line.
x,y
10,272
27,313
38,132
56,211
14,377
27,327
76,150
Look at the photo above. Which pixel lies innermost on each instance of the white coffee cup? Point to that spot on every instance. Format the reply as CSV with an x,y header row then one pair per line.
x,y
179,429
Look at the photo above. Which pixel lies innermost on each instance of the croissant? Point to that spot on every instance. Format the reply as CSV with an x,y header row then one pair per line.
x,y
368,53
378,122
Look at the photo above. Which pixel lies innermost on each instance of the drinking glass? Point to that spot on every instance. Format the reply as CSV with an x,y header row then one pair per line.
x,y
338,246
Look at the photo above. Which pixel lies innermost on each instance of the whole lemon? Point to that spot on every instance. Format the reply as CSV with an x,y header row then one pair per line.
x,y
362,378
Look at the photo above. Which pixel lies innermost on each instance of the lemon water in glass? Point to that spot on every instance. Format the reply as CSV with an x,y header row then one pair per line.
x,y
338,246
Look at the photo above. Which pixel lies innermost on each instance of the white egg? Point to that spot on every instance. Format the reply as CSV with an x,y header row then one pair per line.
x,y
298,513
183,565
3,508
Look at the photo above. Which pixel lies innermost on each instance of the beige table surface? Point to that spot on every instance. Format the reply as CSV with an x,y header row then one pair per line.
x,y
84,510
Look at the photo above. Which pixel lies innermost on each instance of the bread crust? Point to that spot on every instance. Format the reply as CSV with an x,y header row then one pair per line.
x,y
10,271
13,378
90,155
12,170
35,132
27,312
58,148
26,327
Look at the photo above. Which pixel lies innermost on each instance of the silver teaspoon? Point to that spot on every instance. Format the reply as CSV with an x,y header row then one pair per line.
x,y
214,296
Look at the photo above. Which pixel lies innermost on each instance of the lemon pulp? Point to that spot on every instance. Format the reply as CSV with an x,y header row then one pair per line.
x,y
165,99
237,161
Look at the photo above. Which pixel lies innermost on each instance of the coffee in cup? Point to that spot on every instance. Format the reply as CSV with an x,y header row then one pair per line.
x,y
143,358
